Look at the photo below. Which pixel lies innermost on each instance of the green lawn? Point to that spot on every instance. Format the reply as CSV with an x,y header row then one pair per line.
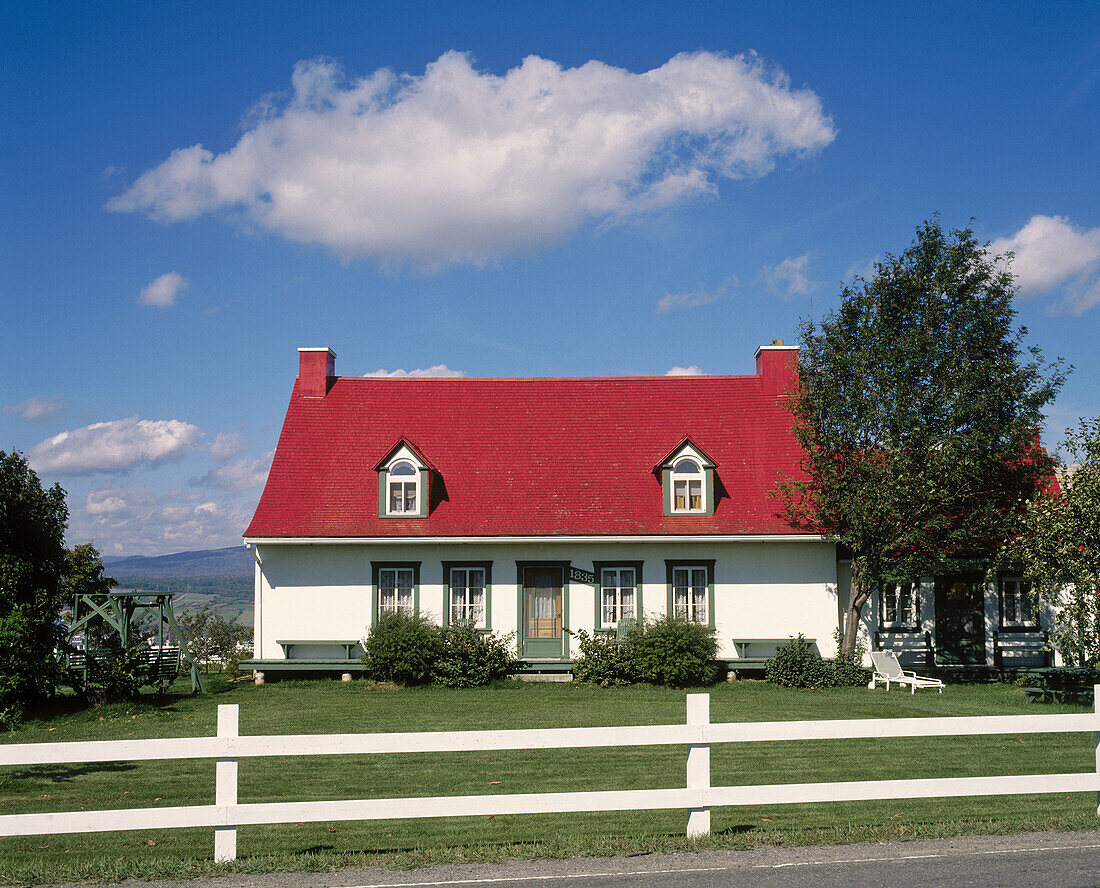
x,y
334,707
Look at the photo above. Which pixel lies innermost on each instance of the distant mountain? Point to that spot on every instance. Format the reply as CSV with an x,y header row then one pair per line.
x,y
234,561
218,578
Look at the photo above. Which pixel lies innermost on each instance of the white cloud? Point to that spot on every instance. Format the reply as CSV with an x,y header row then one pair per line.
x,y
461,166
163,291
789,278
678,301
864,269
1051,252
134,520
439,370
241,474
693,370
113,446
36,409
227,445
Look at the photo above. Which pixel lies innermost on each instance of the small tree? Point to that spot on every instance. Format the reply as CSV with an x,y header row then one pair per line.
x,y
918,411
32,561
214,641
1058,548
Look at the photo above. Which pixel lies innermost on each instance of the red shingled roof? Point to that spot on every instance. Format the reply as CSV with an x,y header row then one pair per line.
x,y
523,457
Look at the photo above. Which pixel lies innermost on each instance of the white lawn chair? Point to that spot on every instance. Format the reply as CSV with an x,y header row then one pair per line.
x,y
888,669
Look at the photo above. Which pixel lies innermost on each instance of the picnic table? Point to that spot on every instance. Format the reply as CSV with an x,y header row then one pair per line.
x,y
1062,684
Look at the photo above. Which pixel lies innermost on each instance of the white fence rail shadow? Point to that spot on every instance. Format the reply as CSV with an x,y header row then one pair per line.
x,y
696,797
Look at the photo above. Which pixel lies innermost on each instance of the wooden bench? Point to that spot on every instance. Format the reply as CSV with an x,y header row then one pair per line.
x,y
1061,685
745,662
288,646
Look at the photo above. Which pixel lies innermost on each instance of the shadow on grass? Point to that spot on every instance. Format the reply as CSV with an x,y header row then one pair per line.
x,y
66,773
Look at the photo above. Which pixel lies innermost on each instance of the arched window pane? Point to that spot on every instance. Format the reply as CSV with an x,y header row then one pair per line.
x,y
686,467
403,468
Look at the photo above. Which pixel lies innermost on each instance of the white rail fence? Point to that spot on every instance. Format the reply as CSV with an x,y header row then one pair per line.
x,y
697,796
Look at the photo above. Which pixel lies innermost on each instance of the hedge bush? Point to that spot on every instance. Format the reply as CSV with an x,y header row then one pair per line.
x,y
605,660
402,648
676,653
797,665
470,658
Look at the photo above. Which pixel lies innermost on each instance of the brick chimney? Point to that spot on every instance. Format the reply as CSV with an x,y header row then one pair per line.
x,y
316,370
777,367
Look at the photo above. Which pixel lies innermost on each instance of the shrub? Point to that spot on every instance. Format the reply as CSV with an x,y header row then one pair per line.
x,y
605,660
848,669
470,658
402,648
797,665
674,652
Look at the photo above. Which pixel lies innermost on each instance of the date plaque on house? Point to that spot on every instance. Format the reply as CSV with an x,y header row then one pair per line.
x,y
582,576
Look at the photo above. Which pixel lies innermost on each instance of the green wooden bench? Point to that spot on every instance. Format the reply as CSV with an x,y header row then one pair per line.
x,y
1062,685
348,646
746,663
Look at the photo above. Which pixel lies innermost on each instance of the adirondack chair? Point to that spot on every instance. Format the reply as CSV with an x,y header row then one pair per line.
x,y
888,669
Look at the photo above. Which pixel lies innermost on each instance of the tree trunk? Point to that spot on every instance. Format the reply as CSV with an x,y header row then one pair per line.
x,y
858,593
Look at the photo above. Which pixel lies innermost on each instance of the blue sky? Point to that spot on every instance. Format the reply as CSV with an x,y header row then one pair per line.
x,y
192,191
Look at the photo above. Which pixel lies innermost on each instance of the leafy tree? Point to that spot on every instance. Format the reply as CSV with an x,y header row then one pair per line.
x,y
83,575
32,561
918,410
1059,548
214,641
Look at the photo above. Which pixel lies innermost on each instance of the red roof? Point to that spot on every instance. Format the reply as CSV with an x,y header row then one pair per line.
x,y
528,457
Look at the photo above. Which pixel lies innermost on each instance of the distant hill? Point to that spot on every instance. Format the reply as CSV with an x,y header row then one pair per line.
x,y
219,578
234,561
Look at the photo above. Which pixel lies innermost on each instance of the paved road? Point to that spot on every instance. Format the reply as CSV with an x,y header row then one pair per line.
x,y
1039,860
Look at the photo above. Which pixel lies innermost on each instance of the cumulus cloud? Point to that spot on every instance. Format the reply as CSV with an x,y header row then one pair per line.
x,y
439,370
461,166
163,291
1052,252
789,279
36,409
226,446
693,370
113,446
679,301
241,474
135,520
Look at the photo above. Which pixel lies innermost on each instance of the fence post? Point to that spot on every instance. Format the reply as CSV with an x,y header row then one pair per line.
x,y
1096,737
698,765
225,785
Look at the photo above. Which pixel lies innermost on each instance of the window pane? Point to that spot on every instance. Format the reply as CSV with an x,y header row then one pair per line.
x,y
890,602
397,503
680,489
403,468
410,496
686,467
696,490
627,605
626,577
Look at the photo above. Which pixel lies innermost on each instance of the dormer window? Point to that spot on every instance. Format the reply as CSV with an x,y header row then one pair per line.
x,y
404,482
687,480
404,488
687,486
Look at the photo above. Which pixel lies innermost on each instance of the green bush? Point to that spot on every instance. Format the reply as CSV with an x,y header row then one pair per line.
x,y
470,658
402,648
797,665
605,660
674,652
848,671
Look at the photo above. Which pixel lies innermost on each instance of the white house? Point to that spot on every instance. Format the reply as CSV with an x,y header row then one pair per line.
x,y
545,506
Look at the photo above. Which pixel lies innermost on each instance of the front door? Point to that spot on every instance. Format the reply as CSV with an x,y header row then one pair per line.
x,y
960,619
542,612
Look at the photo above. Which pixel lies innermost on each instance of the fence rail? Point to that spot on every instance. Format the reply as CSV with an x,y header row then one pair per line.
x,y
696,797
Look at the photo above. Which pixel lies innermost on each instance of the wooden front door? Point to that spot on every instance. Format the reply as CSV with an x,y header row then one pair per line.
x,y
542,612
960,619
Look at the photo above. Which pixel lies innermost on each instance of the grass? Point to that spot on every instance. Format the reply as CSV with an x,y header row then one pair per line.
x,y
335,707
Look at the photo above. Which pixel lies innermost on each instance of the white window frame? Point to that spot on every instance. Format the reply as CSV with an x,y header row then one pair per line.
x,y
906,614
686,479
1022,603
612,585
404,480
691,608
397,591
461,604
